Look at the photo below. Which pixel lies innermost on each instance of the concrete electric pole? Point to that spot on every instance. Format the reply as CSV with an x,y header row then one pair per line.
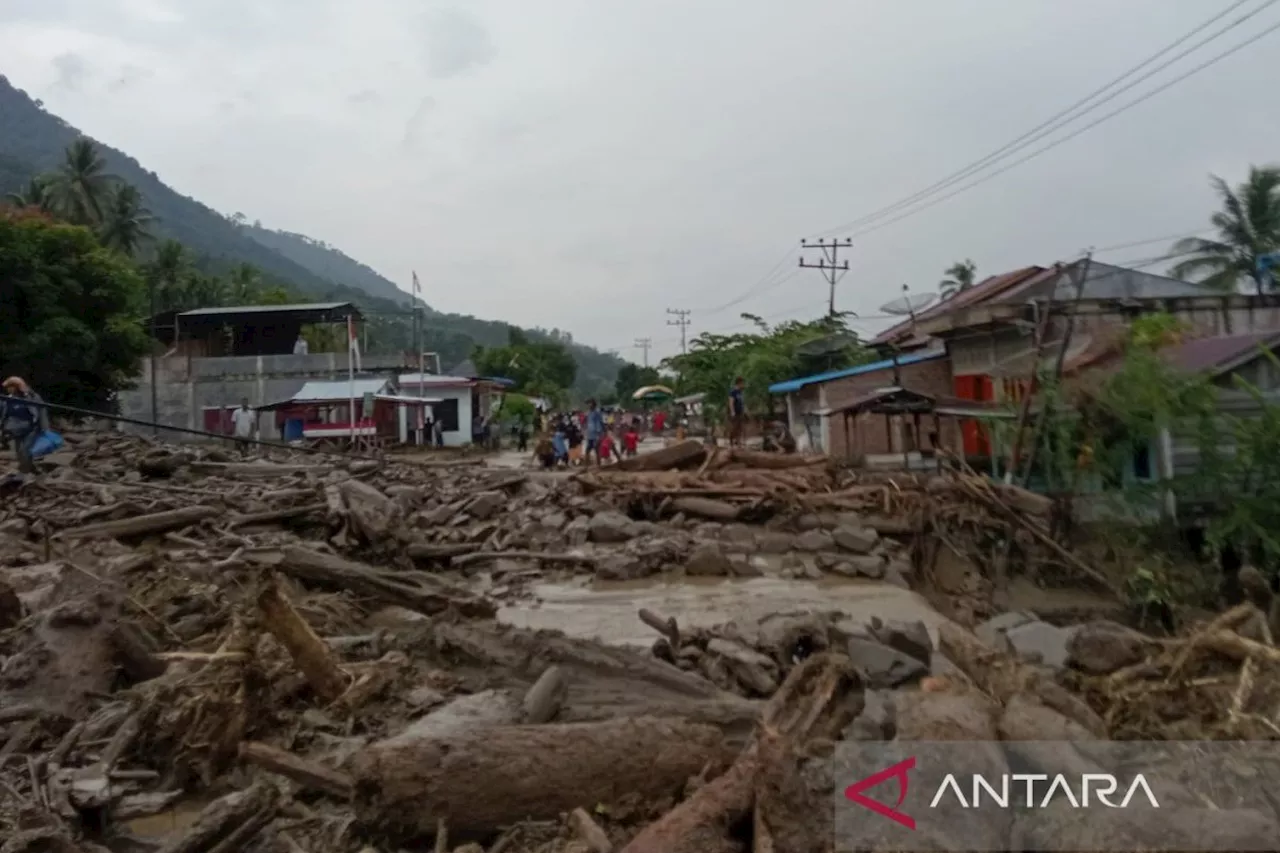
x,y
682,320
829,264
644,344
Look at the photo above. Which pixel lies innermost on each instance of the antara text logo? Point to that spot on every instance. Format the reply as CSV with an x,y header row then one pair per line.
x,y
1008,790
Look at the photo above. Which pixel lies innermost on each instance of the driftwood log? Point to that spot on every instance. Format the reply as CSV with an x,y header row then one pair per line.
x,y
818,699
480,781
312,655
686,454
142,525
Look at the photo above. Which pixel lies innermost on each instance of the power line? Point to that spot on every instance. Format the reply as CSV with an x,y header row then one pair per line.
x,y
682,320
644,344
829,265
1036,153
752,290
1066,116
1165,239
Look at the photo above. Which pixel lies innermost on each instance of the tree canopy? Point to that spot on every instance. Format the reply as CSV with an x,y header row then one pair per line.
x,y
632,377
538,368
768,355
960,276
72,307
1247,226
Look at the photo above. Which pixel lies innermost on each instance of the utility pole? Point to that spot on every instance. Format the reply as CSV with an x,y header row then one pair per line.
x,y
682,320
644,344
829,264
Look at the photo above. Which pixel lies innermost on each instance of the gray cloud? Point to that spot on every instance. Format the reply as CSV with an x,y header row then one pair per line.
x,y
72,71
364,97
456,42
415,127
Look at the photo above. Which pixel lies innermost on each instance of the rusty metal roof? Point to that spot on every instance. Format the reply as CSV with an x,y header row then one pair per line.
x,y
982,291
1211,355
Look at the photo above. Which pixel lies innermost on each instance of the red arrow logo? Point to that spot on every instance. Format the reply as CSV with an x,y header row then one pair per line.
x,y
898,771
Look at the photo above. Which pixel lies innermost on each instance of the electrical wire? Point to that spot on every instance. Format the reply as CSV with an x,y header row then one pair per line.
x,y
1066,116
754,289
1036,153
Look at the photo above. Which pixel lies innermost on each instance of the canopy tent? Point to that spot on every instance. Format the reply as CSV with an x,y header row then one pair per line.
x,y
653,392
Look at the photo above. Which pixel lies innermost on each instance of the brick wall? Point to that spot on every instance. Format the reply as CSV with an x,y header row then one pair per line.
x,y
867,433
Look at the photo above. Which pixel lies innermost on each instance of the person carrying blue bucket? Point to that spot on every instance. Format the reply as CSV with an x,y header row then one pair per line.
x,y
23,418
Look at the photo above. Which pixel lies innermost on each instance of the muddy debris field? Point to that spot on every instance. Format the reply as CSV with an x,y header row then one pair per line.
x,y
204,654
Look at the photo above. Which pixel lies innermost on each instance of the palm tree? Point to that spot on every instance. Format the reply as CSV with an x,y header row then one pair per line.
x,y
165,274
960,277
125,220
79,186
1248,225
34,194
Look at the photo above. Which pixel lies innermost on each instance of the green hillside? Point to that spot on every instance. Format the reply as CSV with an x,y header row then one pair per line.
x,y
33,140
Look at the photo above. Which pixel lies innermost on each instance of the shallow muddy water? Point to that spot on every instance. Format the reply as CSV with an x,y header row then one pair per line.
x,y
606,610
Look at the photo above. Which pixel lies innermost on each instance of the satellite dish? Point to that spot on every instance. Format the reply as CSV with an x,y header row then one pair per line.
x,y
828,344
909,305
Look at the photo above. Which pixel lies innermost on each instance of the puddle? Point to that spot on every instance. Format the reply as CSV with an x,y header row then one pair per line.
x,y
606,610
171,821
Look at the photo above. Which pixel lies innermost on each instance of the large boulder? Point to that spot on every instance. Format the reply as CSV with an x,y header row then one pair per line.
x,y
856,540
1040,642
814,540
610,528
883,666
1102,647
708,559
911,638
486,504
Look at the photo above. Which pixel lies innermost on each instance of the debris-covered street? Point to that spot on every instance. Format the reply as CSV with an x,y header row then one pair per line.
x,y
204,654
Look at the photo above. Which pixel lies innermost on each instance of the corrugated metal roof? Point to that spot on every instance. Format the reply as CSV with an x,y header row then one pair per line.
x,y
264,309
1107,281
980,292
793,385
340,389
410,381
1208,354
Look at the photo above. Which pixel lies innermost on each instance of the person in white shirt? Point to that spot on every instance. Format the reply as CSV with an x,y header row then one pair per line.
x,y
244,423
300,346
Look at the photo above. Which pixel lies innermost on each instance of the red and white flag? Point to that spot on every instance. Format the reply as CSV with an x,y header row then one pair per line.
x,y
353,343
417,286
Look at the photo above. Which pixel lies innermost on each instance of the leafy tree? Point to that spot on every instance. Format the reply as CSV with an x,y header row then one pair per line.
x,y
35,194
960,276
517,408
243,285
80,185
632,377
166,274
1248,225
540,369
72,307
125,223
770,354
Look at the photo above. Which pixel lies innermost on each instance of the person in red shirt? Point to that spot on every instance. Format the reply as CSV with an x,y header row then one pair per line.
x,y
630,440
604,453
659,421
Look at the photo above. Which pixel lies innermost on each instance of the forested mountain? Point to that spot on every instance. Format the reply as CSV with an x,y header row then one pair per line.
x,y
33,141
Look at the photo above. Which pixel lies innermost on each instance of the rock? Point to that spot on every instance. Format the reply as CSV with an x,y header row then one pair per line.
x,y
1102,647
883,666
856,540
554,521
808,521
808,569
910,638
623,567
866,567
814,540
1040,642
902,567
877,720
894,578
993,631
708,560
14,527
609,528
577,531
738,534
774,542
485,504
744,567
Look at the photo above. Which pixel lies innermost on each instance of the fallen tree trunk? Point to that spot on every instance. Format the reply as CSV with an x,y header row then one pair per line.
x,y
306,773
482,780
253,470
818,699
225,820
760,459
309,652
142,525
273,515
317,567
442,551
463,560
705,508
686,454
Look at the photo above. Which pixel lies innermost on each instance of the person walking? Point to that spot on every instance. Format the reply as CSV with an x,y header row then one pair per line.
x,y
22,418
244,423
595,431
737,411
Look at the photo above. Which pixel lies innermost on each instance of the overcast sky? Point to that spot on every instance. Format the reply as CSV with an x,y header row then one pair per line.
x,y
587,164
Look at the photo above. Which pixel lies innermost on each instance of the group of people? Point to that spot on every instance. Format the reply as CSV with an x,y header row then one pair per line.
x,y
581,438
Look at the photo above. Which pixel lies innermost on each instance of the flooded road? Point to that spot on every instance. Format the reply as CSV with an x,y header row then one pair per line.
x,y
606,610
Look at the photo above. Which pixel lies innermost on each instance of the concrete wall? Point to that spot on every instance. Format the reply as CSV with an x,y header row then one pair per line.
x,y
462,435
187,386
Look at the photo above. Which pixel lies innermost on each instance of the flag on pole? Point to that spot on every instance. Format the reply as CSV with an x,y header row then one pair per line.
x,y
353,343
417,286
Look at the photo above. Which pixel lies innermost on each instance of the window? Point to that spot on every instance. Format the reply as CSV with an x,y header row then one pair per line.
x,y
447,413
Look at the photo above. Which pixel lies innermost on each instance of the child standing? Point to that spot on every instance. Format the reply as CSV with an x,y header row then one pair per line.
x,y
630,441
605,450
